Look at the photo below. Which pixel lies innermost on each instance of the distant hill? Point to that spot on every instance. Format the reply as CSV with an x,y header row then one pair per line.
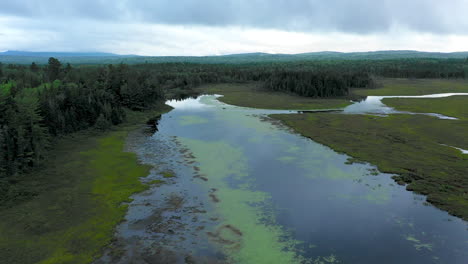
x,y
25,57
387,54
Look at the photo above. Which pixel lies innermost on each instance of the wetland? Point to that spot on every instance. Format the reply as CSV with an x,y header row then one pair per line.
x,y
235,185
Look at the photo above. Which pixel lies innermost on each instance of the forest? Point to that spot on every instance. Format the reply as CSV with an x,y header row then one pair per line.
x,y
41,102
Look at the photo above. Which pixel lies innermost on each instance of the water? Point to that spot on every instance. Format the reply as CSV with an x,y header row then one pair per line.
x,y
374,105
249,190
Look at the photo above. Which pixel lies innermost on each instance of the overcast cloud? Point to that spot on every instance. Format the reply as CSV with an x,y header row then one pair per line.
x,y
205,27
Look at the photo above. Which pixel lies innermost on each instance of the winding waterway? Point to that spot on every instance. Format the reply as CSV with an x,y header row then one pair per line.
x,y
248,190
374,105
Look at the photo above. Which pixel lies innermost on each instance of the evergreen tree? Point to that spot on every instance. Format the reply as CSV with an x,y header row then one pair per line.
x,y
34,67
53,69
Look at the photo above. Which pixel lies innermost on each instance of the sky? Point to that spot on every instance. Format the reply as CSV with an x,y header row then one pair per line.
x,y
217,27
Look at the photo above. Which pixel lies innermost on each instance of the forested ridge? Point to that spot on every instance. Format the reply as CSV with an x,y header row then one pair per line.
x,y
40,102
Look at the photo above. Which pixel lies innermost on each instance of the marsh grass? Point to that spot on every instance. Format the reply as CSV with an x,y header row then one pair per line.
x,y
453,106
79,198
252,95
416,87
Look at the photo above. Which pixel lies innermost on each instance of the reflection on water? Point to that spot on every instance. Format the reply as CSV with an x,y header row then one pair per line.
x,y
252,191
193,103
374,105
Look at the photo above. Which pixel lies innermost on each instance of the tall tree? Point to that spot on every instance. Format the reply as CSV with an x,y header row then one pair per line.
x,y
53,69
34,67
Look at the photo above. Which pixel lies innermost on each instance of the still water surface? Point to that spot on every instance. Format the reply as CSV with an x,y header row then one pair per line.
x,y
374,105
263,194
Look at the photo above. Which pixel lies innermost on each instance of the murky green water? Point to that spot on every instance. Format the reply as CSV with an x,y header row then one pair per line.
x,y
272,196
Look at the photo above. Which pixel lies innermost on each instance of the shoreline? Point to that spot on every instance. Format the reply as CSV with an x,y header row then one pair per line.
x,y
81,190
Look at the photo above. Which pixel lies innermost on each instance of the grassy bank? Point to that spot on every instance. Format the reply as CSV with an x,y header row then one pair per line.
x,y
77,200
454,106
406,145
415,87
252,95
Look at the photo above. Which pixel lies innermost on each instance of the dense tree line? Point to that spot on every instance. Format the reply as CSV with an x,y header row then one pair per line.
x,y
317,84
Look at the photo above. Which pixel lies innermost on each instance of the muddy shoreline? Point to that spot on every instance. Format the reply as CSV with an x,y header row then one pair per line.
x,y
166,223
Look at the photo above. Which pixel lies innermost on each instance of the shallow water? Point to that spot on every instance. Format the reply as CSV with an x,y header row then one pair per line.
x,y
252,191
374,105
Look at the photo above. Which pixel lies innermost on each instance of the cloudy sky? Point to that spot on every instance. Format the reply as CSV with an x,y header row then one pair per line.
x,y
213,27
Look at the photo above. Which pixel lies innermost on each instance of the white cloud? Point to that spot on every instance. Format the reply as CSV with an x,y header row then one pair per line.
x,y
159,39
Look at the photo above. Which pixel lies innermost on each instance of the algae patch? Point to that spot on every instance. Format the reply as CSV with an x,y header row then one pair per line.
x,y
243,233
187,120
168,174
418,245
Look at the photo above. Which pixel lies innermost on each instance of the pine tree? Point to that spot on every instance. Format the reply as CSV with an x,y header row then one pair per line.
x,y
34,67
53,69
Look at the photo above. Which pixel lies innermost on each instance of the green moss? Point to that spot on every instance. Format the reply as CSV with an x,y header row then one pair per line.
x,y
454,106
407,145
416,87
78,202
250,95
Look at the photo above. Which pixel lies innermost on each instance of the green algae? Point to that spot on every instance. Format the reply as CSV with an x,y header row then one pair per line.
x,y
308,157
156,182
187,120
247,121
326,260
168,174
254,240
418,245
286,159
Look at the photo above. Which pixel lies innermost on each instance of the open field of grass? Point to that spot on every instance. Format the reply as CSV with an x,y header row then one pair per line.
x,y
407,145
454,106
415,87
252,95
78,201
